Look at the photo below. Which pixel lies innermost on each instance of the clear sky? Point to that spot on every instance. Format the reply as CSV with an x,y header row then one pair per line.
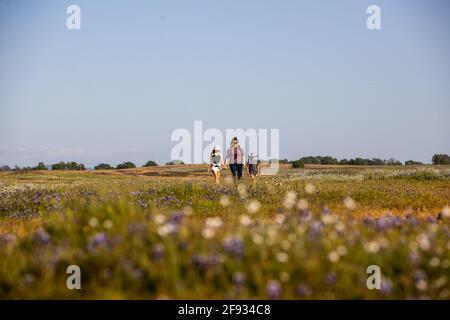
x,y
116,89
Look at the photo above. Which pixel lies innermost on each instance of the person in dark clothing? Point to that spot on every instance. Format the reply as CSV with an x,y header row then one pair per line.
x,y
253,165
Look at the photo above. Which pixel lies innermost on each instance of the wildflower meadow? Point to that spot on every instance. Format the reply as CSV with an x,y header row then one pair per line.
x,y
301,234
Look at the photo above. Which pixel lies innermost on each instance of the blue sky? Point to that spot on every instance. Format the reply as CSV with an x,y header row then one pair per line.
x,y
116,89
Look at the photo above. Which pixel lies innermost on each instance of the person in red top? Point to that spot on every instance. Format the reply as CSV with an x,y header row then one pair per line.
x,y
235,158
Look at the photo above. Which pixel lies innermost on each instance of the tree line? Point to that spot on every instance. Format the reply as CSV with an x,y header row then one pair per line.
x,y
437,159
71,165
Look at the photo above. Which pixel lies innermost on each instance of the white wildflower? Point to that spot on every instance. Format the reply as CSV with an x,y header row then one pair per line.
x,y
302,204
245,220
282,257
166,229
225,201
107,224
160,218
253,206
309,188
208,233
290,200
329,219
333,256
342,250
285,245
284,276
93,222
446,211
349,203
213,223
372,247
434,262
187,210
423,241
242,190
257,239
279,218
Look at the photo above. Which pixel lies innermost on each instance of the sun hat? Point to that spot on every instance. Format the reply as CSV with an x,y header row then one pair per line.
x,y
217,147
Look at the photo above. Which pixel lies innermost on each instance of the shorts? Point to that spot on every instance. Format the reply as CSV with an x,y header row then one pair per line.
x,y
215,168
253,169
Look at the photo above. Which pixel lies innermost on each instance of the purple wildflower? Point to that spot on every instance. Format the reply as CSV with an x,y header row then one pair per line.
x,y
238,278
431,219
412,220
304,214
200,261
315,230
330,278
157,252
142,203
419,275
97,241
383,224
273,289
303,290
367,221
41,237
135,228
137,273
7,238
234,246
414,258
214,260
176,217
29,278
386,286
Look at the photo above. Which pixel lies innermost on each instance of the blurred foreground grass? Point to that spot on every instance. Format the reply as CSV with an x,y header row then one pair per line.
x,y
301,234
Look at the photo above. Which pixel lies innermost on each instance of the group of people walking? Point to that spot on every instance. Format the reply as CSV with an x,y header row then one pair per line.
x,y
235,158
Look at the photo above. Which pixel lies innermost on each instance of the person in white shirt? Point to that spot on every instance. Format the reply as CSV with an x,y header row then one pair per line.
x,y
216,163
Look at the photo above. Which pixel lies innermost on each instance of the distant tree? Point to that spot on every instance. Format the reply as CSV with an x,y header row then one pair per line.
x,y
319,160
150,163
59,166
413,163
68,166
40,166
284,161
5,168
103,166
361,162
71,166
126,165
174,162
376,162
393,162
298,164
441,159
311,160
328,160
18,169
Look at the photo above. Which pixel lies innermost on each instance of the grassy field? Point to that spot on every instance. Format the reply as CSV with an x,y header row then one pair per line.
x,y
170,232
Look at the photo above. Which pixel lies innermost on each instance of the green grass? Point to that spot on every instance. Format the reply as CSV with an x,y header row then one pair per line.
x,y
154,237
